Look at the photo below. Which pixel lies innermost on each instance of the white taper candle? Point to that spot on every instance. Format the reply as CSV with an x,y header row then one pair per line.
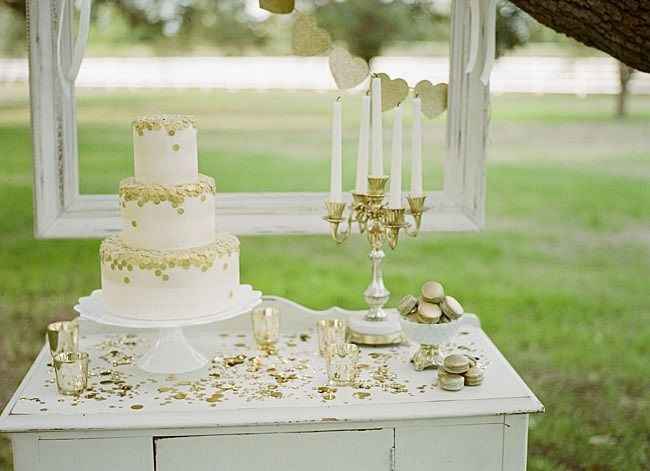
x,y
396,162
416,149
377,167
364,142
336,172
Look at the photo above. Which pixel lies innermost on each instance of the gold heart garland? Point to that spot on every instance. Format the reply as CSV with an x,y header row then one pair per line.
x,y
348,71
434,98
281,7
393,91
308,38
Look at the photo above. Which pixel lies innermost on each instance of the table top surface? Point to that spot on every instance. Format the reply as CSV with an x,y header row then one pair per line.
x,y
242,386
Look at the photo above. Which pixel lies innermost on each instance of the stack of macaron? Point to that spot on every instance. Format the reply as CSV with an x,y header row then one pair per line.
x,y
459,370
432,307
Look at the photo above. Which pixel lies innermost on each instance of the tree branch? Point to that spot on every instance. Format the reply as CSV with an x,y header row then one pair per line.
x,y
620,28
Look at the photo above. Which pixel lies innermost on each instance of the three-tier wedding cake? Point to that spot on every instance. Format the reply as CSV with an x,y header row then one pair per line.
x,y
168,262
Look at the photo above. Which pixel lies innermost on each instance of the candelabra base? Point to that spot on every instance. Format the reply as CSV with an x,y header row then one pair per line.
x,y
376,332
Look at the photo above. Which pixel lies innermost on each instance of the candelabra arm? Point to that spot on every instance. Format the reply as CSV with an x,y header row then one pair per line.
x,y
335,219
416,205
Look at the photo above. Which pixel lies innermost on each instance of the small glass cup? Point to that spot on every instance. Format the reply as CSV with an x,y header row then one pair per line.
x,y
266,327
342,364
71,370
331,332
63,336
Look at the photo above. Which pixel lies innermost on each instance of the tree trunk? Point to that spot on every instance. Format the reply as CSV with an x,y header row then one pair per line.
x,y
624,75
620,28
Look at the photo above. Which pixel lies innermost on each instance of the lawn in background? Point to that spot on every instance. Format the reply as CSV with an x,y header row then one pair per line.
x,y
560,277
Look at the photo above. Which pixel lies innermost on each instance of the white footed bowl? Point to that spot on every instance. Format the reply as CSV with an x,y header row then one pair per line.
x,y
430,334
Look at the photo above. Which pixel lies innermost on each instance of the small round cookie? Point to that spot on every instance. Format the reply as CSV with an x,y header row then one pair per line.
x,y
452,308
474,376
429,313
456,363
433,292
407,305
451,382
472,360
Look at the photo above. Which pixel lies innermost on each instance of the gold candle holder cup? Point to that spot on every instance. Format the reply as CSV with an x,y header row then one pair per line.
x,y
63,336
71,371
331,332
342,364
266,328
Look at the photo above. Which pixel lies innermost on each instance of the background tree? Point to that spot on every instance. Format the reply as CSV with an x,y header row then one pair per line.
x,y
369,26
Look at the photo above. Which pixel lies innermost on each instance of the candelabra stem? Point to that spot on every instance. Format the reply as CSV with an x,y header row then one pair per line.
x,y
376,295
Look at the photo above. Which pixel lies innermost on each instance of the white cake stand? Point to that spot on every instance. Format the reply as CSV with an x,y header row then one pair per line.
x,y
171,352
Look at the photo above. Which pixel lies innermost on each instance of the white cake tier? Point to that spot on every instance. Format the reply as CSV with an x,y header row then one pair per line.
x,y
164,150
167,216
169,284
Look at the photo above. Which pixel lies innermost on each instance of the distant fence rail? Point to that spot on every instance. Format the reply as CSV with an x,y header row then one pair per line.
x,y
580,76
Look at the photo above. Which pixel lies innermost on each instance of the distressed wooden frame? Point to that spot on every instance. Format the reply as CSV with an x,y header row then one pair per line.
x,y
60,211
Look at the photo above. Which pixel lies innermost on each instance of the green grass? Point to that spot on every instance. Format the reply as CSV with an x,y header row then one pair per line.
x,y
560,276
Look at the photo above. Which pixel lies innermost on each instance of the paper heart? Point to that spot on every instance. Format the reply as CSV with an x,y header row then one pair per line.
x,y
348,71
434,98
278,6
308,38
393,92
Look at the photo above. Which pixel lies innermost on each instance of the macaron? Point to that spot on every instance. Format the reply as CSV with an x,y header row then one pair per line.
x,y
451,381
432,292
456,363
452,308
407,305
428,313
474,376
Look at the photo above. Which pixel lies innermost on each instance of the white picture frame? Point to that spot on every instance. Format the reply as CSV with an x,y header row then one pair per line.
x,y
60,211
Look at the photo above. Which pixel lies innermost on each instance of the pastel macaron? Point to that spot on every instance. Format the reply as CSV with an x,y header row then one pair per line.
x,y
450,381
428,313
433,292
456,363
408,305
474,376
452,308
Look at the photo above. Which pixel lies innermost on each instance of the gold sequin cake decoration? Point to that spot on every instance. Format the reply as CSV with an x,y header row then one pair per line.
x,y
143,193
170,123
119,256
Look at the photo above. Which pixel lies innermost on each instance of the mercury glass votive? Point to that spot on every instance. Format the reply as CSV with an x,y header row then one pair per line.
x,y
342,364
63,336
331,332
71,370
266,327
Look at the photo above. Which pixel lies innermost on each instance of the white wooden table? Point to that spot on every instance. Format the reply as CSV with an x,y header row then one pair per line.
x,y
268,413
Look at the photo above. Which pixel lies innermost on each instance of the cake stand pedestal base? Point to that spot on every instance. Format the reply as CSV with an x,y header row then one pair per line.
x,y
387,331
172,353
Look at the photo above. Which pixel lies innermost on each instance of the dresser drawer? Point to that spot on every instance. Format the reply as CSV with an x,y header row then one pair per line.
x,y
471,447
313,451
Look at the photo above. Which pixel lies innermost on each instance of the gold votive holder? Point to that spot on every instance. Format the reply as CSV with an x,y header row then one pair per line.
x,y
342,364
331,332
266,327
377,185
63,336
71,370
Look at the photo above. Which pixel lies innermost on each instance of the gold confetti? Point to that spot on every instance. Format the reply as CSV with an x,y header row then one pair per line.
x,y
137,406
